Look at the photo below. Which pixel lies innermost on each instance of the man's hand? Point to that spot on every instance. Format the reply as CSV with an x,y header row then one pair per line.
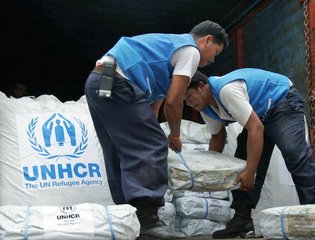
x,y
246,179
175,143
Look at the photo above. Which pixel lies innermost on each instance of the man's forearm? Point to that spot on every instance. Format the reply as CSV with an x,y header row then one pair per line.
x,y
217,141
173,115
254,149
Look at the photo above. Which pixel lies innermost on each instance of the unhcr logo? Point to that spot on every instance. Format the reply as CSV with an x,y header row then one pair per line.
x,y
50,143
55,129
68,213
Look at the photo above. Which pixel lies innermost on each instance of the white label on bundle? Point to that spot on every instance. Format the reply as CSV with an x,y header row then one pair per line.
x,y
67,219
56,151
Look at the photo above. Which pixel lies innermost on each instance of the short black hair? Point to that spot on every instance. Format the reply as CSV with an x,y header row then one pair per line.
x,y
196,79
211,28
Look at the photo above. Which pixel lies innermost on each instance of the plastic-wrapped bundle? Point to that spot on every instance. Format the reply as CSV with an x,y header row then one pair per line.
x,y
197,227
203,208
82,221
218,194
292,222
203,171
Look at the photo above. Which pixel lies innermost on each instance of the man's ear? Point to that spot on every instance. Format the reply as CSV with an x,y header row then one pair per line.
x,y
209,38
201,85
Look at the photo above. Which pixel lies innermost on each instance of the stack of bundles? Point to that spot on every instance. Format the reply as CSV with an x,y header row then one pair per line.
x,y
189,213
82,221
291,222
198,193
205,206
50,156
201,213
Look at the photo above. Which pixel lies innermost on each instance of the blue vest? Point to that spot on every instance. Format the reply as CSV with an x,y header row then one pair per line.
x,y
145,60
265,89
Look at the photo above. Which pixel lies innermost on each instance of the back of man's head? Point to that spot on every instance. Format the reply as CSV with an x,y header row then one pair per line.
x,y
196,79
211,28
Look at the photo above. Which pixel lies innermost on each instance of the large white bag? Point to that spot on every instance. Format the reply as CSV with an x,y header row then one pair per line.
x,y
81,222
49,153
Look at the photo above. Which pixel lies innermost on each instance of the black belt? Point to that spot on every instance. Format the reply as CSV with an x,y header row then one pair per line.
x,y
99,70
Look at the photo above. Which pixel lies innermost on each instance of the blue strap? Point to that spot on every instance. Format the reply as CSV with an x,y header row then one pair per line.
x,y
180,224
189,170
112,232
282,224
207,208
175,204
27,220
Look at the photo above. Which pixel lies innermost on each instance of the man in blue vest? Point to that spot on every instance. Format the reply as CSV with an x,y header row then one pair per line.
x,y
144,70
271,111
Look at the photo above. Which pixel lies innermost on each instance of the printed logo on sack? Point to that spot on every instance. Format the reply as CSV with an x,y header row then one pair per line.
x,y
67,209
68,213
60,144
57,128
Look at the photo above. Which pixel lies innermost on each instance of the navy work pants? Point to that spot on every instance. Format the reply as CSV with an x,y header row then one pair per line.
x,y
284,127
134,145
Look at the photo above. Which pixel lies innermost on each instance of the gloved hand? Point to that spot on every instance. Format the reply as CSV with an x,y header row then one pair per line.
x,y
174,143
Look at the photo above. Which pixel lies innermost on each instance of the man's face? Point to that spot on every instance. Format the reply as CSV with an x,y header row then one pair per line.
x,y
209,51
195,98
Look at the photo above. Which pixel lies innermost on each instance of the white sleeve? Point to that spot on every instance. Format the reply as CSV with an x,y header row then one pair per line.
x,y
236,101
213,125
185,61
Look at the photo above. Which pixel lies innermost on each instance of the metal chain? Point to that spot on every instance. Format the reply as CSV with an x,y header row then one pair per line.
x,y
308,68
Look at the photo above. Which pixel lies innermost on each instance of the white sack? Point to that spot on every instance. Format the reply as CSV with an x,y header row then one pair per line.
x,y
292,222
49,153
196,136
190,132
197,227
81,222
203,208
203,171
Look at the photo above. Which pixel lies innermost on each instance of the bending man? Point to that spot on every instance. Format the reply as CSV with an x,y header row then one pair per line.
x,y
271,111
150,68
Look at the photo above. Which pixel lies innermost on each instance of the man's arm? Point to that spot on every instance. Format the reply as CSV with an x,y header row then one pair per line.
x,y
173,109
255,140
217,141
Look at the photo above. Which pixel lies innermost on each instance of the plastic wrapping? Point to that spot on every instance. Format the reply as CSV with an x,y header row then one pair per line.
x,y
203,171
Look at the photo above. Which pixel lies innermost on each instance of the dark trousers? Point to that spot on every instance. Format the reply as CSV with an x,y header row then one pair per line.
x,y
284,127
134,145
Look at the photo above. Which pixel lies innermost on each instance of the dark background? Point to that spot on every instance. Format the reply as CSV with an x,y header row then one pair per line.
x,y
51,46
